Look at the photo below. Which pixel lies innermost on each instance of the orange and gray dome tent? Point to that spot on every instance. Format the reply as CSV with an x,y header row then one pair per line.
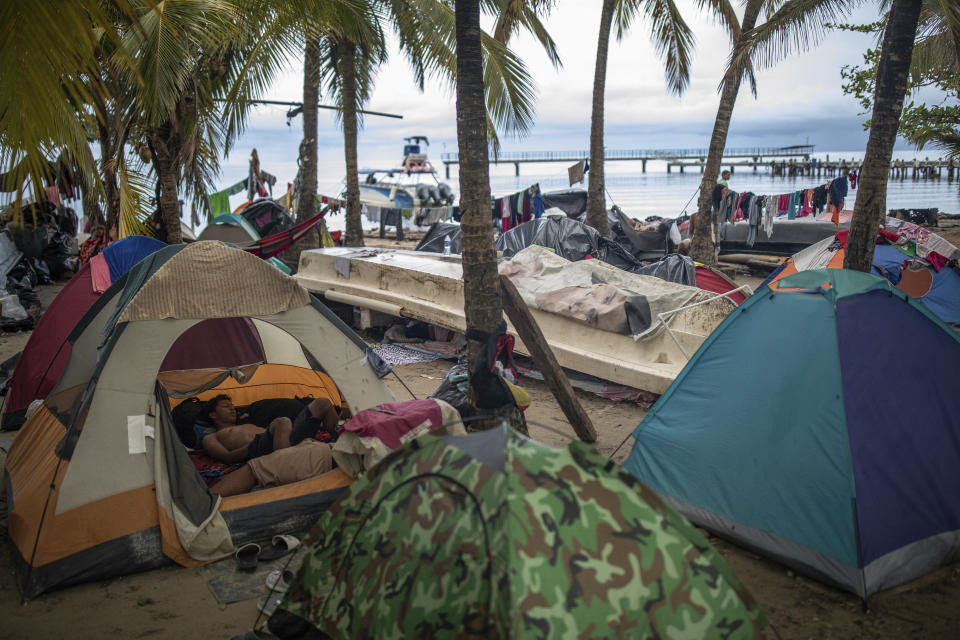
x,y
100,484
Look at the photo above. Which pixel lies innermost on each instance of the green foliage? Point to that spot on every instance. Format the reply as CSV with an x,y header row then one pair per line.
x,y
933,68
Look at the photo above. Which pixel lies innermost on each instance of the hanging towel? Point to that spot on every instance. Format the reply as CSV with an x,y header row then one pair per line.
x,y
219,203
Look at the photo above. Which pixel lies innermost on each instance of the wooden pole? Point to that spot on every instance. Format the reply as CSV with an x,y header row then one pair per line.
x,y
545,361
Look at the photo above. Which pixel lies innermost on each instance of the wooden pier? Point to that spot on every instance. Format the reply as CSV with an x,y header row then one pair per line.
x,y
812,167
674,157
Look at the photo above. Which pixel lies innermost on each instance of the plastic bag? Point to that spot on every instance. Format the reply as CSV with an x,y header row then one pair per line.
x,y
11,309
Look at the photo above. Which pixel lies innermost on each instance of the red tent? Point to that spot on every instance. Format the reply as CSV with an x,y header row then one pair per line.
x,y
713,280
47,350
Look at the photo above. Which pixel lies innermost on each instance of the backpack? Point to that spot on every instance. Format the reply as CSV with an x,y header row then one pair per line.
x,y
185,415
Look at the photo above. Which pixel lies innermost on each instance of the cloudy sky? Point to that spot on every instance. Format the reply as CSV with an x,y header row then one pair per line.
x,y
800,100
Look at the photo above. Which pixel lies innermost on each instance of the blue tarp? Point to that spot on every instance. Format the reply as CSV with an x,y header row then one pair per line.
x,y
123,254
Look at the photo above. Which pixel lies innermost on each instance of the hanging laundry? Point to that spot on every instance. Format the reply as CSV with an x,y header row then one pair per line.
x,y
506,215
754,215
852,177
538,204
838,191
219,203
575,173
783,204
769,213
236,188
819,199
727,205
806,206
371,212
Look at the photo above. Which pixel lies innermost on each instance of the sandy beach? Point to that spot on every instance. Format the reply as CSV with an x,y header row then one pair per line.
x,y
177,602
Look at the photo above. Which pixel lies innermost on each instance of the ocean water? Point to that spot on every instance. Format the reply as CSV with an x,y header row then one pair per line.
x,y
657,192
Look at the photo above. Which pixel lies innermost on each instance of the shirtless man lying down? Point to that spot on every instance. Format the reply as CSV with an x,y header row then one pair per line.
x,y
230,442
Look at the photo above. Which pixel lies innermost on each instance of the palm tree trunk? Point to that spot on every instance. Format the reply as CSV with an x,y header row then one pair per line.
x,y
354,230
481,285
307,195
703,247
168,175
306,204
596,203
891,88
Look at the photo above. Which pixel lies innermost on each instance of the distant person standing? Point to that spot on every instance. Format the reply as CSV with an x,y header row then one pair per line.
x,y
724,178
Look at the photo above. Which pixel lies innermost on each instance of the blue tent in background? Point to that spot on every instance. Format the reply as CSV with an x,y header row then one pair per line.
x,y
821,427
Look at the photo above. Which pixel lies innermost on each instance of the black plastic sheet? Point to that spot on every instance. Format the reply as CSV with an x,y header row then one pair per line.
x,y
433,238
673,268
569,238
573,202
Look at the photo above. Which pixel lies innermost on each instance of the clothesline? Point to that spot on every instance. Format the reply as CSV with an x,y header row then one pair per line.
x,y
761,210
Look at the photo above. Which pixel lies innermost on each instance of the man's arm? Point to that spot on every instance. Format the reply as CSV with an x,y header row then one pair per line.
x,y
213,448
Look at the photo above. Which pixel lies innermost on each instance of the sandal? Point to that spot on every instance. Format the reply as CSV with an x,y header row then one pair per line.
x,y
247,556
279,581
281,546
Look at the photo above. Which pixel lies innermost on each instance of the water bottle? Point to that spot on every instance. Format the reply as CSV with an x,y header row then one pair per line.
x,y
446,246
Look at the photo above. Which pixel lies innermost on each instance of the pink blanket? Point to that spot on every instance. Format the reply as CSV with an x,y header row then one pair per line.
x,y
392,422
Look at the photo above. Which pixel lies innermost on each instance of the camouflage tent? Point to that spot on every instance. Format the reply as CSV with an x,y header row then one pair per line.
x,y
494,535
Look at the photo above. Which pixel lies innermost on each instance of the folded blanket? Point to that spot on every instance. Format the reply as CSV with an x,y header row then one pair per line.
x,y
372,434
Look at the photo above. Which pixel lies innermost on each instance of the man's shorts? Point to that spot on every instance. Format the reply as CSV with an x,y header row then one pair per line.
x,y
305,426
308,459
261,445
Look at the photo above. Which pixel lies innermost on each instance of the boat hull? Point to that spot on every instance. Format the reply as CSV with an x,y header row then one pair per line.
x,y
429,287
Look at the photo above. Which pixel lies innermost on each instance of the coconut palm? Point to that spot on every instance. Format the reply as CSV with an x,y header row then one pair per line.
x,y
673,40
307,159
347,72
483,308
702,246
891,88
180,48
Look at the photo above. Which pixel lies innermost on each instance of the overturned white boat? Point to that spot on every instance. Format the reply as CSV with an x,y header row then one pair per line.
x,y
630,329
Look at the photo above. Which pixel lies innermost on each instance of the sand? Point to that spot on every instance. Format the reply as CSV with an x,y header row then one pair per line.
x,y
176,602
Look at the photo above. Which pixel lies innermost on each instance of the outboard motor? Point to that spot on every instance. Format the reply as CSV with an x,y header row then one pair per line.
x,y
446,193
435,196
423,193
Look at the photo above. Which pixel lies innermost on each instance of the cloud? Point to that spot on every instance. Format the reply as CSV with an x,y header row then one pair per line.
x,y
800,98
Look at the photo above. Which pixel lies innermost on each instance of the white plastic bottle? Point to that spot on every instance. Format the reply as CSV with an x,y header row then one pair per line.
x,y
446,246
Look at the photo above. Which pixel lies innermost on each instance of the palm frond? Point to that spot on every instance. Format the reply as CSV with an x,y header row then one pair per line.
x,y
509,88
673,41
516,14
134,196
723,14
168,43
796,26
48,71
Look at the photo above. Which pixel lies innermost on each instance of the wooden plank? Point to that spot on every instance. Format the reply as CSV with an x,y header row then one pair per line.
x,y
545,361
